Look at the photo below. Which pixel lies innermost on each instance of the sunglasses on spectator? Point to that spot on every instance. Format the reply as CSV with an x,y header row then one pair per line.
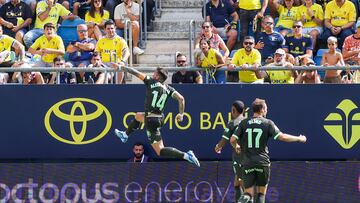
x,y
181,61
205,26
268,23
248,43
59,64
297,26
82,31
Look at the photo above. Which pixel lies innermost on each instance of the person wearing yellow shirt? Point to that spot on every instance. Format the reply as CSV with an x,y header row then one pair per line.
x,y
210,59
340,17
96,18
46,12
312,16
246,57
48,46
6,43
113,49
287,15
281,76
250,10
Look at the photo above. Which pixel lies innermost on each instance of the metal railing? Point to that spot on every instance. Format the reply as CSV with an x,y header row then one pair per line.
x,y
149,69
158,7
191,40
127,29
143,25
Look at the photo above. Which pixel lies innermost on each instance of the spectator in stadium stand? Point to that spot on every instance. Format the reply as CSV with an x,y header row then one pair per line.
x,y
340,17
298,44
308,76
281,76
95,77
287,15
312,16
273,11
216,42
139,156
113,48
268,41
48,46
245,58
183,76
46,12
110,6
65,77
81,50
7,57
224,19
129,10
32,78
78,4
332,58
249,10
15,17
211,60
96,18
351,48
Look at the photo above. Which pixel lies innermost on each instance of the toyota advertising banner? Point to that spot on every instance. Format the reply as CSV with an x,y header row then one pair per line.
x,y
77,122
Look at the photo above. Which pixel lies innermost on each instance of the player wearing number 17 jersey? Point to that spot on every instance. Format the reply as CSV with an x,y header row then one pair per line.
x,y
157,94
250,140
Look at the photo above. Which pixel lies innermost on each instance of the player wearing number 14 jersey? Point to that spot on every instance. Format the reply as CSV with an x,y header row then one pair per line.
x,y
157,94
250,140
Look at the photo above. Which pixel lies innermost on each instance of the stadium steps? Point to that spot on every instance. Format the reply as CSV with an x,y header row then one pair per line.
x,y
171,32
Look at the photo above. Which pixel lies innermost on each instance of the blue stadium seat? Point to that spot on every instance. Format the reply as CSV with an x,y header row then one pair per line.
x,y
67,30
233,52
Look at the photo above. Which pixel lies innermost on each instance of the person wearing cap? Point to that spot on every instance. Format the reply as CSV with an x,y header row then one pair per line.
x,y
48,46
184,76
237,115
298,44
245,58
269,40
281,76
311,15
308,76
47,11
340,17
157,94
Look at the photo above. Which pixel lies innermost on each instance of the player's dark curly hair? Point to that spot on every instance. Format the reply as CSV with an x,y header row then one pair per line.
x,y
163,73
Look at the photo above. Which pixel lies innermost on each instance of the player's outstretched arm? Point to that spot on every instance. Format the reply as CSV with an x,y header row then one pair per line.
x,y
135,72
181,100
291,138
234,144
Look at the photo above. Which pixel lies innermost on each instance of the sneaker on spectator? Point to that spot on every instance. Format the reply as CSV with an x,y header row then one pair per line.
x,y
137,51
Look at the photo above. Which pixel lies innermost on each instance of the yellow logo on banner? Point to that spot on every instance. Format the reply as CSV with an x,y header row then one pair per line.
x,y
78,103
341,130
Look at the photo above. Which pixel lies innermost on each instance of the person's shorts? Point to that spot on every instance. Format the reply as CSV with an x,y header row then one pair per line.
x,y
222,32
255,175
281,28
153,125
77,63
307,30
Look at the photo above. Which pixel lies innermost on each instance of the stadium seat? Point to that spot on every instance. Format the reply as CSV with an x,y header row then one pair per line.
x,y
233,52
67,30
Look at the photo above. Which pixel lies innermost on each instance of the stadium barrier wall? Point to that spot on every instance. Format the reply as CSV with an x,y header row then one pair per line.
x,y
305,182
77,122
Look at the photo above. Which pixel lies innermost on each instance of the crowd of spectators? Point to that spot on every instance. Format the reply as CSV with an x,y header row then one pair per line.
x,y
283,33
234,34
28,37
